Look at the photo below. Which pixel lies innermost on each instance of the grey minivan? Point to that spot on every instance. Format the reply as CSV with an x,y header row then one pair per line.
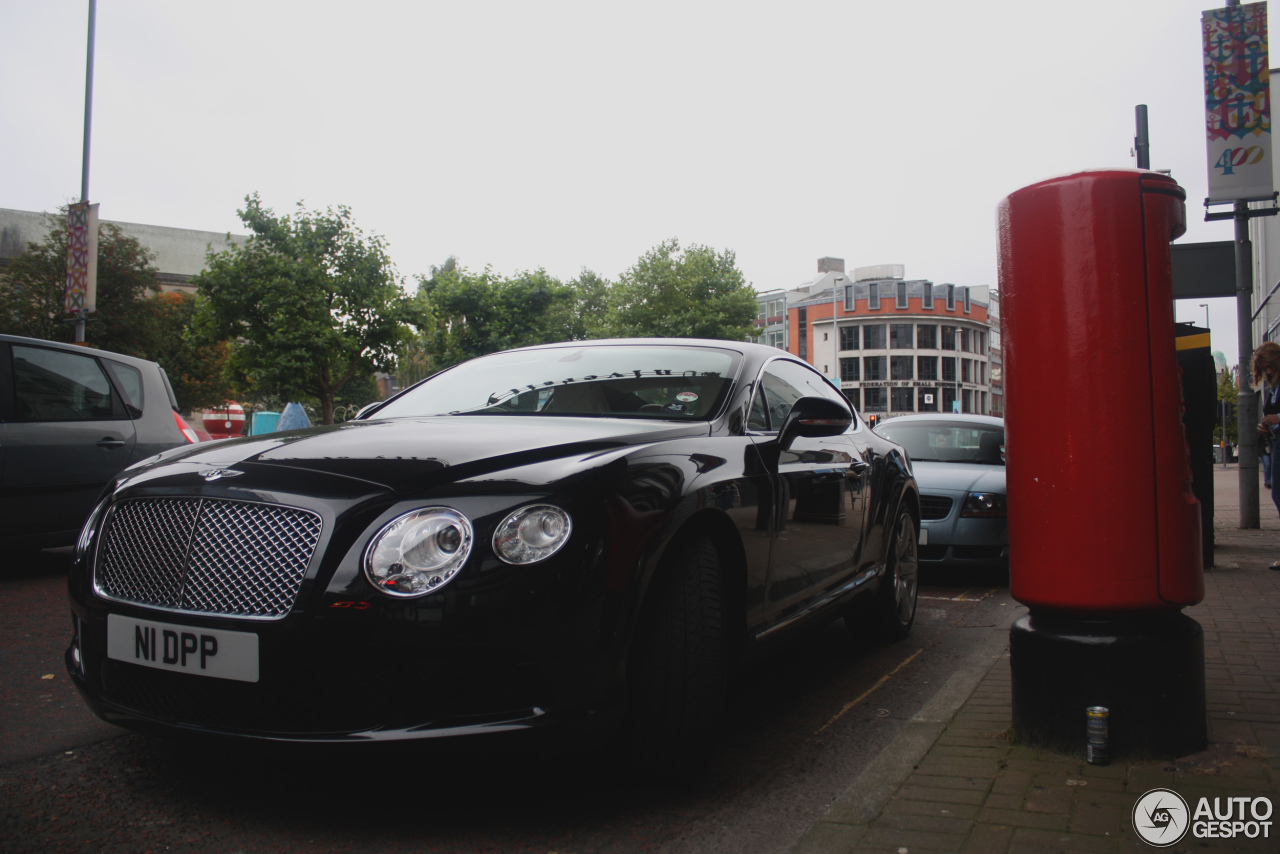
x,y
71,418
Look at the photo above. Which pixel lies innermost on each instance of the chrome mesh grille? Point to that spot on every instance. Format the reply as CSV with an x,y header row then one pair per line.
x,y
934,506
206,556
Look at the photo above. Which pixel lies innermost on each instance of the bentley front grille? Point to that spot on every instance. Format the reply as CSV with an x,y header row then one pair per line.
x,y
206,556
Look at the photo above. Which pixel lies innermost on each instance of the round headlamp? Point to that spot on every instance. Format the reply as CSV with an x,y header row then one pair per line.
x,y
531,534
419,553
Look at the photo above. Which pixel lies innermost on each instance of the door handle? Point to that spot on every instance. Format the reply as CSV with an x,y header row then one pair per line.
x,y
858,466
108,443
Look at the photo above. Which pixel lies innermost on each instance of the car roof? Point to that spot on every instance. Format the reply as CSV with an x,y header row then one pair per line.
x,y
723,344
74,348
988,420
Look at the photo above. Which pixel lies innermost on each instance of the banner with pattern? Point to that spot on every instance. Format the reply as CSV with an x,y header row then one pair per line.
x,y
82,258
1237,98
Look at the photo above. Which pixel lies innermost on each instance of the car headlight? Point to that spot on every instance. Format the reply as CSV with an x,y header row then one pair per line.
x,y
419,553
531,534
984,504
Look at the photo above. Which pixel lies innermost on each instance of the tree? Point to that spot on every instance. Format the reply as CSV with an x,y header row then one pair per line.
x,y
309,302
195,362
33,285
1228,396
691,293
475,314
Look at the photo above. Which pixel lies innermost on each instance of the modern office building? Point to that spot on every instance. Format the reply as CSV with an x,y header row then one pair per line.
x,y
893,345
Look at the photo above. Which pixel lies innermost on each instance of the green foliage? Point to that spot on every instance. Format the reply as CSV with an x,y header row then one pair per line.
x,y
310,302
195,362
691,293
474,314
33,285
1227,392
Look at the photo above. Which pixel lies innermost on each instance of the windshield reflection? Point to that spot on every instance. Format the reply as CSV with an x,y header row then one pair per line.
x,y
682,383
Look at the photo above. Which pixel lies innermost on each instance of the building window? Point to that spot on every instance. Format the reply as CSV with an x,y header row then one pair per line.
x,y
904,400
927,367
966,375
948,369
927,337
900,336
850,301
927,302
948,400
777,307
777,338
966,401
951,297
964,341
849,370
966,300
902,295
873,337
928,400
873,368
873,296
875,400
802,316
854,397
900,367
848,338
982,372
948,337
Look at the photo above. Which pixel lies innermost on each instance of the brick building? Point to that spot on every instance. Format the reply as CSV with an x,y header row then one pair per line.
x,y
893,345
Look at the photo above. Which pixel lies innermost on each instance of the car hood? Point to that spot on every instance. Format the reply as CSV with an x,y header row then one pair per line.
x,y
404,453
958,477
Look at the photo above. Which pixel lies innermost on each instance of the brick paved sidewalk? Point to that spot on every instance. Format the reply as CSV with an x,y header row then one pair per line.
x,y
953,781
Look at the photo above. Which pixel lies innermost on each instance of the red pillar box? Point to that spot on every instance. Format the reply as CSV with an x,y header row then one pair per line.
x,y
1104,530
1101,513
226,422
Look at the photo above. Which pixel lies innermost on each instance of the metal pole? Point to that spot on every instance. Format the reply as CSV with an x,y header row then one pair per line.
x,y
1205,306
1246,398
88,125
1141,142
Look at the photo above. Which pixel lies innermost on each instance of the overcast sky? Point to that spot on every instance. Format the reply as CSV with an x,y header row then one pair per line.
x,y
571,135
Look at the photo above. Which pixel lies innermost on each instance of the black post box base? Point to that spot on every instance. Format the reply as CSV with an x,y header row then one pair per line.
x,y
1148,671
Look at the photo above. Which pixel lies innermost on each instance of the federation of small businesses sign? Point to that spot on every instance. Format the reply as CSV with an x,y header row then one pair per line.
x,y
1237,98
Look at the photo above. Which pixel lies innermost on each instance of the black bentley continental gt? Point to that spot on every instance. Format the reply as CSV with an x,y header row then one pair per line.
x,y
572,533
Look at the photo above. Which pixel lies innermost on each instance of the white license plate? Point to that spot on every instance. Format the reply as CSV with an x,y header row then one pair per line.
x,y
183,649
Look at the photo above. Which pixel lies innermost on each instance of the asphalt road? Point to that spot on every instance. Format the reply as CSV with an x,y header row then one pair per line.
x,y
799,728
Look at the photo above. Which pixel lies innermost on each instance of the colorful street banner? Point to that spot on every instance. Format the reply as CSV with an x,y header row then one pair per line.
x,y
82,258
1237,98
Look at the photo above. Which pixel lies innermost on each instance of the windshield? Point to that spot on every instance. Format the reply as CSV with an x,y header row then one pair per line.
x,y
683,383
947,441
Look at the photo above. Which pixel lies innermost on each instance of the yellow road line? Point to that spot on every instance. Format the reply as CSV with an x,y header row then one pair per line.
x,y
883,679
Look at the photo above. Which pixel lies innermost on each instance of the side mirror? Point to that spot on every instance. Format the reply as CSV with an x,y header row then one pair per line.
x,y
813,417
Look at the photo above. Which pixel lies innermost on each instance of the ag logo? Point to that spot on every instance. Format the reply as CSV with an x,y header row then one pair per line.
x,y
1161,817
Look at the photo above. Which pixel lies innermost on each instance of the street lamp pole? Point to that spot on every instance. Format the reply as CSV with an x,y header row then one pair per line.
x,y
1205,306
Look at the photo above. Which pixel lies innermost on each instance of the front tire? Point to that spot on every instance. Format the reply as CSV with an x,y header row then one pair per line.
x,y
679,665
895,603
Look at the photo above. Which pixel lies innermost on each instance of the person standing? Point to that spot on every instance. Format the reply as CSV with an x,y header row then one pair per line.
x,y
1266,369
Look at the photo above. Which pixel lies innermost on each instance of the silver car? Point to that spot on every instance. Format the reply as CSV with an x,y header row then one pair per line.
x,y
71,418
958,461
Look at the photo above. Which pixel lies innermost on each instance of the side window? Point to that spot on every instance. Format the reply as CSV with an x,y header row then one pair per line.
x,y
52,385
129,381
782,384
